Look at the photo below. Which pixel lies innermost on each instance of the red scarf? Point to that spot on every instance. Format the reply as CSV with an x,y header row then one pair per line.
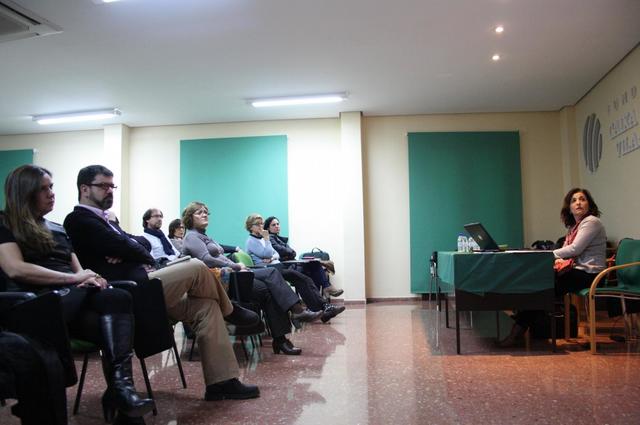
x,y
561,265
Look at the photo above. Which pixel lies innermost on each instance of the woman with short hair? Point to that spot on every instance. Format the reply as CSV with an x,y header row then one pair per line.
x,y
176,233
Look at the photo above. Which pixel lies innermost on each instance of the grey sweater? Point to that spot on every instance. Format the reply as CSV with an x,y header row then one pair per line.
x,y
589,246
200,246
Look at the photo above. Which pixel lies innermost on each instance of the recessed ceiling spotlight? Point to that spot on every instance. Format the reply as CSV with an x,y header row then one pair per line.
x,y
495,57
298,100
499,29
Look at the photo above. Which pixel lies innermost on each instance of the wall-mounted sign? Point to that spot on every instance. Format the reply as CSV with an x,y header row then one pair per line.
x,y
592,143
624,122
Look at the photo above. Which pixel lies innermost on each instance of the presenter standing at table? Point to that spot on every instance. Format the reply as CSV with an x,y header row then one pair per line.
x,y
580,259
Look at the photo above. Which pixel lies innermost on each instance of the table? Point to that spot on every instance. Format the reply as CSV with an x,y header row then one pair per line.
x,y
492,281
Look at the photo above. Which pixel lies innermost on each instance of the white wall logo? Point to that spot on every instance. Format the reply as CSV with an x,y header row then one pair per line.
x,y
592,143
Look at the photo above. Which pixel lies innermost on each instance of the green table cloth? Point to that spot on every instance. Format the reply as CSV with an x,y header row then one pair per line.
x,y
515,272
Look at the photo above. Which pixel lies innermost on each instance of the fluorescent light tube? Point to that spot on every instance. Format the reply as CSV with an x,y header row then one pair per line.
x,y
80,116
298,100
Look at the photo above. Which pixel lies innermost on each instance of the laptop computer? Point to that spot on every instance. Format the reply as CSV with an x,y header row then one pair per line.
x,y
482,237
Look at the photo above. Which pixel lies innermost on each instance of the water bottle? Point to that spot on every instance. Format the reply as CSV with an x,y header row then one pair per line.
x,y
462,243
471,244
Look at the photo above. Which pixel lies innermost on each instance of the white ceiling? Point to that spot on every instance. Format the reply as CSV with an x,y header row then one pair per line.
x,y
195,61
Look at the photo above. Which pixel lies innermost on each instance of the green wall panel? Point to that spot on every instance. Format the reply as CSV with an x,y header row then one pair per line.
x,y
10,160
457,178
235,177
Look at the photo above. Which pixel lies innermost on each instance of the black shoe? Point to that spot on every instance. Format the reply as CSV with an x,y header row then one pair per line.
x,y
231,389
331,311
333,292
306,315
241,316
514,338
286,347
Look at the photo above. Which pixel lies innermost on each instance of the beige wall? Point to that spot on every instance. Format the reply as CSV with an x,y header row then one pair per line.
x,y
386,185
63,154
615,184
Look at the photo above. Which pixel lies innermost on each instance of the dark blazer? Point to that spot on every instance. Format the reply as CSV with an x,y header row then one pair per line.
x,y
279,243
93,240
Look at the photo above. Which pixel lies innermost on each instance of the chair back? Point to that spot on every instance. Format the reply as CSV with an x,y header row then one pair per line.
x,y
241,286
153,333
40,318
628,252
244,258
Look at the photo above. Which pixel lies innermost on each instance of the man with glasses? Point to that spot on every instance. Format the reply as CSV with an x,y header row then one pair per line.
x,y
162,250
192,293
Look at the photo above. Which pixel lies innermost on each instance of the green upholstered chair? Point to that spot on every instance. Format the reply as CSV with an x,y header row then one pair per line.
x,y
628,283
243,258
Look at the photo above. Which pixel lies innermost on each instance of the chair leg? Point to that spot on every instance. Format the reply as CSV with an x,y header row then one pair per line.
x,y
592,324
83,373
193,344
567,316
145,374
179,363
244,348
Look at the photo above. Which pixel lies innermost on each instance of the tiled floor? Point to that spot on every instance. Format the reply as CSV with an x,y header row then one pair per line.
x,y
395,363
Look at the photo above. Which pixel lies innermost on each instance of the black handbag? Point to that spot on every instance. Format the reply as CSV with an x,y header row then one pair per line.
x,y
316,253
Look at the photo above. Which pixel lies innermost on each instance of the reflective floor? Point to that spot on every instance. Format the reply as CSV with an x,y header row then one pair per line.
x,y
395,363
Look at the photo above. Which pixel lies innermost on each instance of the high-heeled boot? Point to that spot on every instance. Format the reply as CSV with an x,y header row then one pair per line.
x,y
121,396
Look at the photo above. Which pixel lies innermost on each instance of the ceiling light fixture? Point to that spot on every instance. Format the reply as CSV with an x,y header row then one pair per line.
x,y
80,116
499,29
298,100
495,57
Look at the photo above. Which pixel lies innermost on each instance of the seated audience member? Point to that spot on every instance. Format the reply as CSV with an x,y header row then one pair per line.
x,y
161,248
313,269
191,291
36,256
260,249
578,261
269,288
176,233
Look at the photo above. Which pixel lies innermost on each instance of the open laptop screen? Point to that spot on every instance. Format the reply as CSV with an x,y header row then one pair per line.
x,y
481,236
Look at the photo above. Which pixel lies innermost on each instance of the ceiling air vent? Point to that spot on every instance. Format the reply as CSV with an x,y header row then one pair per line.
x,y
16,22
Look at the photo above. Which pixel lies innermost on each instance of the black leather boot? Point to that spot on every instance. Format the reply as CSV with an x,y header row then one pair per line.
x,y
117,351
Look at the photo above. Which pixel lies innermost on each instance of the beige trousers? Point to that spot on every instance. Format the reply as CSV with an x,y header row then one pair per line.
x,y
194,295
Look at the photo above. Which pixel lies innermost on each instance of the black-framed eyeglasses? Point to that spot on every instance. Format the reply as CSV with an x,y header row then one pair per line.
x,y
104,186
157,216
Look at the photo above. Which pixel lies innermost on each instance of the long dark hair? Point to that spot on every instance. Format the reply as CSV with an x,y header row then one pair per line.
x,y
21,192
565,213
